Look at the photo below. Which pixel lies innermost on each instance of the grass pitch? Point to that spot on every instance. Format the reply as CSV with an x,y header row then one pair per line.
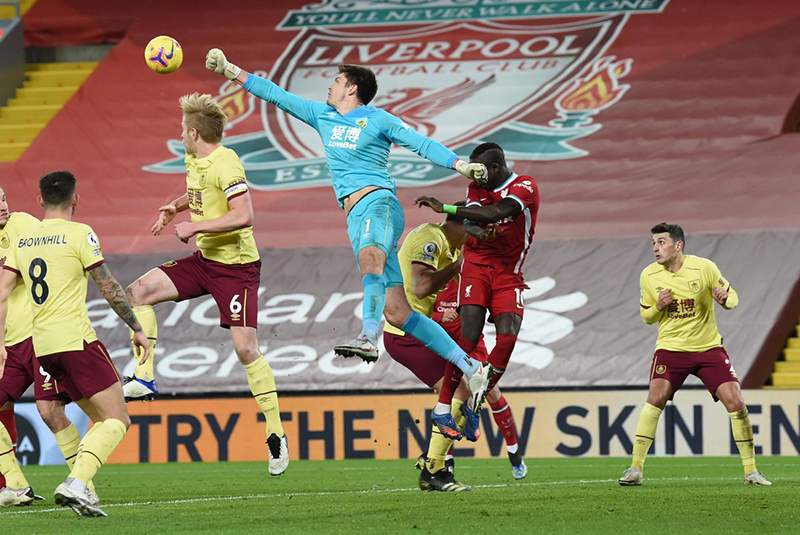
x,y
558,496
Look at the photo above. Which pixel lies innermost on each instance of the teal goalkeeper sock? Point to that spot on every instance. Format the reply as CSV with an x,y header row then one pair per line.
x,y
374,302
437,340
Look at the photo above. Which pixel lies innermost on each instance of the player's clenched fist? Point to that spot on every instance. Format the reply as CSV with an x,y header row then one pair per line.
x,y
473,171
664,299
215,61
720,295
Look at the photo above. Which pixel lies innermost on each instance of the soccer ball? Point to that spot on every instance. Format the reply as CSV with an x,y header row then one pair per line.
x,y
163,54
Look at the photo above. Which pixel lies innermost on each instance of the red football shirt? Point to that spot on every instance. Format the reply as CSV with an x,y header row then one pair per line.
x,y
448,299
511,247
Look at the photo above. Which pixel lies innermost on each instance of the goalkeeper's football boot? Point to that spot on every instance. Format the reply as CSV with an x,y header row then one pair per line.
x,y
631,478
518,468
472,425
68,494
136,389
756,478
442,481
478,383
278,454
362,347
447,425
9,497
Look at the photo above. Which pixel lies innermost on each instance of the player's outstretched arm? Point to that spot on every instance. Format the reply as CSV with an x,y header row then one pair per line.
x,y
8,281
480,214
405,136
168,212
240,216
115,296
300,108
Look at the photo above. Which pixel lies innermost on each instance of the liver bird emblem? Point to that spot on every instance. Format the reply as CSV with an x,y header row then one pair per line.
x,y
417,105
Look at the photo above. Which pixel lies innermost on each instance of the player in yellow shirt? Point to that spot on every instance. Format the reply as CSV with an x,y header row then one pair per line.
x,y
23,370
227,265
54,259
679,291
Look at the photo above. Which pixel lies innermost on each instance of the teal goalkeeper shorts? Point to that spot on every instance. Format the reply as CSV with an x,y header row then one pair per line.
x,y
377,220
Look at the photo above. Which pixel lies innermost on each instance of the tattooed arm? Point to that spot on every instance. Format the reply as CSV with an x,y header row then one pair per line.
x,y
115,295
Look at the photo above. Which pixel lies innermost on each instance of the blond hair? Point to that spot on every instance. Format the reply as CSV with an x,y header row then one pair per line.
x,y
205,115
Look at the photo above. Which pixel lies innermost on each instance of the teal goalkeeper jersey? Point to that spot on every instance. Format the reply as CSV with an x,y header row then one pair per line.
x,y
356,144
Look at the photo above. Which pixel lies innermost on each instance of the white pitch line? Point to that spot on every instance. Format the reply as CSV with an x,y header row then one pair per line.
x,y
353,492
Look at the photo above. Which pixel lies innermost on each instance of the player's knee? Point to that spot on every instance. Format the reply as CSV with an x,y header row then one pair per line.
x,y
734,403
658,399
395,316
247,354
53,416
135,293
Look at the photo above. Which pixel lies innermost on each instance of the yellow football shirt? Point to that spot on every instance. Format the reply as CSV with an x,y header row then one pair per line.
x,y
54,258
427,244
688,323
210,183
20,316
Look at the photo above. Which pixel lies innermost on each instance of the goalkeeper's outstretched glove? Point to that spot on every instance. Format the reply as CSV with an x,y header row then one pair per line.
x,y
215,61
473,171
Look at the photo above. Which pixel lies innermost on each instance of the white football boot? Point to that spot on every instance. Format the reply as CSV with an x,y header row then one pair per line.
x,y
631,478
478,383
70,494
756,478
136,389
362,347
278,454
9,496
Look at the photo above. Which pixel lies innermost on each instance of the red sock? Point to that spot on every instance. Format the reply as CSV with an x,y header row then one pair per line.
x,y
7,418
500,356
501,412
452,375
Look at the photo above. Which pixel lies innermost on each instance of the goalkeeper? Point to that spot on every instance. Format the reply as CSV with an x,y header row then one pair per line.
x,y
357,138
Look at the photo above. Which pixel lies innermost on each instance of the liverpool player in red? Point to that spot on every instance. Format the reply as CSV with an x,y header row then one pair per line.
x,y
491,277
444,313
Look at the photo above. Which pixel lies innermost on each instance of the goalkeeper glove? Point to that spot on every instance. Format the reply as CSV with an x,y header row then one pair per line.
x,y
215,61
473,171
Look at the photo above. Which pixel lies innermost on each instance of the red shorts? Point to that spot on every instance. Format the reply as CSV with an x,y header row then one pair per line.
x,y
21,370
82,373
234,287
495,288
421,361
713,367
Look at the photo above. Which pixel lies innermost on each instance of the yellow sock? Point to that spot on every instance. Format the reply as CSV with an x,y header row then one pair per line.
x,y
645,433
440,445
9,467
68,440
95,448
437,450
147,319
458,416
743,435
262,385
